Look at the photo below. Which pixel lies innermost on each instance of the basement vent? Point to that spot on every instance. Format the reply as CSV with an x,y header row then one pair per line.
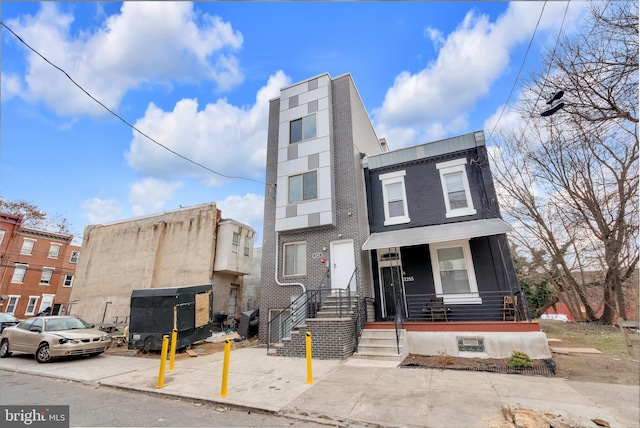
x,y
470,344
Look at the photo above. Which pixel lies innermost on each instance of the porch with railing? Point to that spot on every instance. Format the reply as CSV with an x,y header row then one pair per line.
x,y
480,306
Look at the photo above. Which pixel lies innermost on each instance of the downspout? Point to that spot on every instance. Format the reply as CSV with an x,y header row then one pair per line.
x,y
283,284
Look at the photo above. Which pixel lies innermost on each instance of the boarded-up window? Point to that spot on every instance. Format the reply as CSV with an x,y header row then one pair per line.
x,y
202,308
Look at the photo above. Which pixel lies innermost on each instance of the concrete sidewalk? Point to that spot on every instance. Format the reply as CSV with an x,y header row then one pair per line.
x,y
354,391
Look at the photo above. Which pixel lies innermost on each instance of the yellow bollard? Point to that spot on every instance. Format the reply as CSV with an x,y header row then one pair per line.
x,y
225,367
163,360
172,355
309,369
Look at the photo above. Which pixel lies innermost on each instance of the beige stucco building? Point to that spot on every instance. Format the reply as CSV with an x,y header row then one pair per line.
x,y
187,246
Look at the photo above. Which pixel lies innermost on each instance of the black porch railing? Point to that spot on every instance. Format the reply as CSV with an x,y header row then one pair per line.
x,y
309,304
480,306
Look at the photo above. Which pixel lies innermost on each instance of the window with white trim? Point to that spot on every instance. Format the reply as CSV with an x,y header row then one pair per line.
x,y
68,281
12,303
74,257
453,272
303,187
302,129
18,273
394,196
27,246
295,258
54,250
247,245
47,273
1,236
455,188
31,306
235,242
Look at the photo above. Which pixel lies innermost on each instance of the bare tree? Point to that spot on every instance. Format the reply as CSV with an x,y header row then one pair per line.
x,y
571,180
34,217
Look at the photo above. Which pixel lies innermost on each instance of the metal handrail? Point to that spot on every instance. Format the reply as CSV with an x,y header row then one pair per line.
x,y
361,319
479,306
398,320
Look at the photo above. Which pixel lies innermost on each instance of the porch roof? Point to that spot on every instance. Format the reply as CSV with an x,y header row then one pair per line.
x,y
438,233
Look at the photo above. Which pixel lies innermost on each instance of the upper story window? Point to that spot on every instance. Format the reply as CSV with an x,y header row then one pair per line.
x,y
302,129
1,236
68,281
295,258
74,256
303,187
18,273
247,245
54,250
27,246
394,196
455,188
235,242
47,273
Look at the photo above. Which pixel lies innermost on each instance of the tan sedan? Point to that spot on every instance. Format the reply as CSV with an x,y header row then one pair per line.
x,y
53,336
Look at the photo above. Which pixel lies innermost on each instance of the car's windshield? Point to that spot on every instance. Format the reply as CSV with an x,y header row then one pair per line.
x,y
7,317
59,324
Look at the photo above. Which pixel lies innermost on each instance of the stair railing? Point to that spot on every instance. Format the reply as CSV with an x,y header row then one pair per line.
x,y
398,320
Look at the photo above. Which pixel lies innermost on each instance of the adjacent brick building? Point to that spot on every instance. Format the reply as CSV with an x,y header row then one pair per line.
x,y
37,268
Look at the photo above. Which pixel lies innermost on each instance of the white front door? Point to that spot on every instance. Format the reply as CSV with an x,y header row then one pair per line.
x,y
47,302
343,264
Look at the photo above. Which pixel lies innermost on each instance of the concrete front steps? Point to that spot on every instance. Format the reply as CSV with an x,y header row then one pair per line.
x,y
381,344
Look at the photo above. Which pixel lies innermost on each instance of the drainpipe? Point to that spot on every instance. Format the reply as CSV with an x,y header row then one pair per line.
x,y
283,284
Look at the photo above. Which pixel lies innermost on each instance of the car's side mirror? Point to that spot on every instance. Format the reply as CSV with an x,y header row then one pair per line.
x,y
35,329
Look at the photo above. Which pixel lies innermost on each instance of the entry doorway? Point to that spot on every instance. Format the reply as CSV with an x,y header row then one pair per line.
x,y
343,264
391,284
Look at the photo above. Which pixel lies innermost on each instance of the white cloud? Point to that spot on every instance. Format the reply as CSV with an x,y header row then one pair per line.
x,y
100,211
227,139
149,195
247,209
11,86
147,42
435,101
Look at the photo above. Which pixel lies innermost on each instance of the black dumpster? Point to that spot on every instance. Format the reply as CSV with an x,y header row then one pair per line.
x,y
153,311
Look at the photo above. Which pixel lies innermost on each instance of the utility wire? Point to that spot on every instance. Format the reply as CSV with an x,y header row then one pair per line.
x,y
519,71
124,120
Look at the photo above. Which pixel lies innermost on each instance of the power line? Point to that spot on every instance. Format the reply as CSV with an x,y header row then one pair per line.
x,y
124,120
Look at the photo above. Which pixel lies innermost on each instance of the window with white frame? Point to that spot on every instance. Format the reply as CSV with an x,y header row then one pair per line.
x,y
74,256
47,273
453,272
18,273
68,281
247,245
1,236
54,250
12,303
31,306
394,196
303,187
302,129
27,246
235,242
455,188
295,258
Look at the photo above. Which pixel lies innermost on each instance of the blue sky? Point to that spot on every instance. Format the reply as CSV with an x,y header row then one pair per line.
x,y
197,77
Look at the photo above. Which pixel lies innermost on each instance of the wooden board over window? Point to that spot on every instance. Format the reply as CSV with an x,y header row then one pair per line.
x,y
202,308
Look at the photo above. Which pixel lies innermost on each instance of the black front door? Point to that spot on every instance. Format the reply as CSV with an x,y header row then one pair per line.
x,y
391,289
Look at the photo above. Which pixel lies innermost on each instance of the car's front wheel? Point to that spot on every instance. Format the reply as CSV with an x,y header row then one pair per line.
x,y
4,349
42,354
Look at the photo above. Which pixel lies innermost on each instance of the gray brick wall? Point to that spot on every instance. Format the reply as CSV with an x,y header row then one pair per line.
x,y
331,338
349,121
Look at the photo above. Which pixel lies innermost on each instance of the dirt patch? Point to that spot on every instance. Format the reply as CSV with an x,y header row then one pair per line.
x,y
199,348
613,365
